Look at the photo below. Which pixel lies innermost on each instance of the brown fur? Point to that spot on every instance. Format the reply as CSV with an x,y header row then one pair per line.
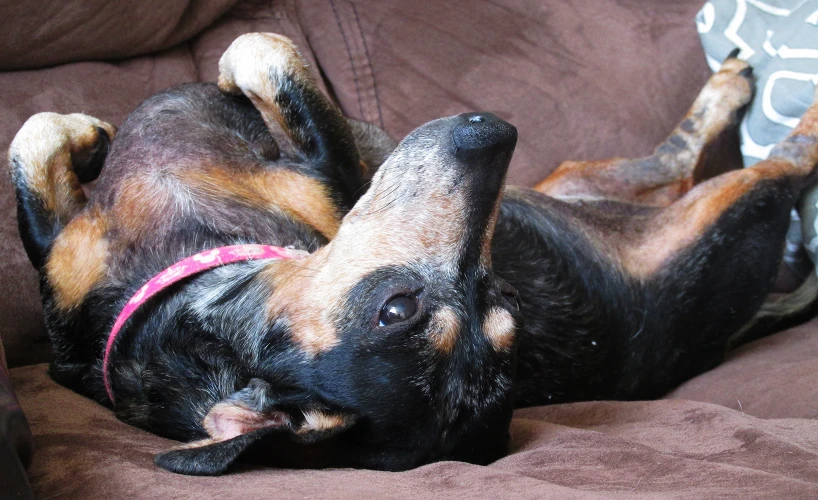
x,y
78,260
303,198
499,328
683,223
445,330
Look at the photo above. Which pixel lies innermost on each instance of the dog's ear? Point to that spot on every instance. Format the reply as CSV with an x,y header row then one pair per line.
x,y
245,417
206,457
374,146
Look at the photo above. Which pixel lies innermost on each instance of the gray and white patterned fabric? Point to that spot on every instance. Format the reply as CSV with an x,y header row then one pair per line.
x,y
779,38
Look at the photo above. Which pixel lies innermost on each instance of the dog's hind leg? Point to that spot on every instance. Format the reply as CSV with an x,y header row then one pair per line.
x,y
50,157
705,264
666,175
268,69
734,207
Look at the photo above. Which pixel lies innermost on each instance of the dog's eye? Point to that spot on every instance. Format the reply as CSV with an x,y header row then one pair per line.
x,y
398,308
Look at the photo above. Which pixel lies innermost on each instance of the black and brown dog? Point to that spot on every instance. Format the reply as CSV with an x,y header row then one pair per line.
x,y
395,342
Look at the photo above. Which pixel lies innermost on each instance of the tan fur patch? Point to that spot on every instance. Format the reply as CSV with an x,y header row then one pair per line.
x,y
499,328
315,420
302,197
444,329
78,259
144,201
306,308
683,223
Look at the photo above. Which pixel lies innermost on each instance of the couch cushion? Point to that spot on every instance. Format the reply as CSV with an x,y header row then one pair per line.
x,y
774,377
586,450
60,31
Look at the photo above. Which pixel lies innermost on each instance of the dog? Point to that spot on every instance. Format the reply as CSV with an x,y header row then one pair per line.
x,y
414,300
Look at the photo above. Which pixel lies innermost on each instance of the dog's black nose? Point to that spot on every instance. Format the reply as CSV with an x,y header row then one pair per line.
x,y
479,134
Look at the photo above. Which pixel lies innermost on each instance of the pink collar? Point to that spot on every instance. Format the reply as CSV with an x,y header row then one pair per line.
x,y
195,264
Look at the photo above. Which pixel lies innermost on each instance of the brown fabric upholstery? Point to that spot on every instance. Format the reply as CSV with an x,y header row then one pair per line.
x,y
580,81
774,377
609,78
679,448
67,31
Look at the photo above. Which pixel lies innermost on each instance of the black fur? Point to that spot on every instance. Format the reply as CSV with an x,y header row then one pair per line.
x,y
592,332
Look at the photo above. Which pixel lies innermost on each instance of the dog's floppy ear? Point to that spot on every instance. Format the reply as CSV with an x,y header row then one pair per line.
x,y
245,417
208,459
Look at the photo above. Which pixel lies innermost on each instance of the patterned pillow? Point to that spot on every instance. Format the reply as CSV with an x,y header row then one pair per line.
x,y
779,38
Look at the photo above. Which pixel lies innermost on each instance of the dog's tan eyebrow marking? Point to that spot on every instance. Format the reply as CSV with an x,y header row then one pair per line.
x,y
78,259
498,327
315,420
444,328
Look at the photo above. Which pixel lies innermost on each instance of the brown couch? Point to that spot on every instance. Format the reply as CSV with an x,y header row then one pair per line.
x,y
578,79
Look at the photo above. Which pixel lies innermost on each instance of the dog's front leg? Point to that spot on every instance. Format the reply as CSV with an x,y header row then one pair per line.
x,y
268,69
49,157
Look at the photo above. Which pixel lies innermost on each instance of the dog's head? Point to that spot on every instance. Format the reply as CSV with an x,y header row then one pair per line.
x,y
402,339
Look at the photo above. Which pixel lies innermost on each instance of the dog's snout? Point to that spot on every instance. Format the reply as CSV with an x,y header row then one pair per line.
x,y
478,134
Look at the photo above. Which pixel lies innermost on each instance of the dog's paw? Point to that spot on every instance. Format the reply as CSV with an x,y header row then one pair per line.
x,y
255,60
49,135
732,85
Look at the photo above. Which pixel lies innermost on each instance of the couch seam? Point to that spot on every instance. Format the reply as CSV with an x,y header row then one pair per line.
x,y
369,64
349,55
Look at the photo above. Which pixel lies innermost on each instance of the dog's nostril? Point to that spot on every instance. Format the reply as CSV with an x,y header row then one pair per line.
x,y
477,119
